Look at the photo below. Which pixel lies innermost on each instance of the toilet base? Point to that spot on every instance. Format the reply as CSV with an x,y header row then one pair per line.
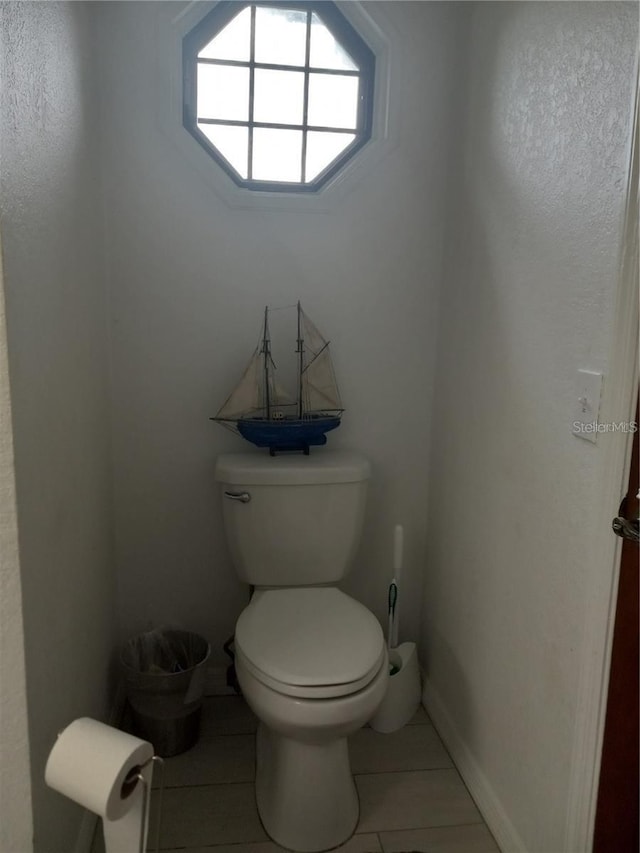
x,y
305,792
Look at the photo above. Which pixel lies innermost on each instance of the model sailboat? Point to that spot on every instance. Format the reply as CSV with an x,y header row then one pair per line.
x,y
266,415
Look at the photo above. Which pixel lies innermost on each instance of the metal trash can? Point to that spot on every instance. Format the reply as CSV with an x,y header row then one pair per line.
x,y
164,673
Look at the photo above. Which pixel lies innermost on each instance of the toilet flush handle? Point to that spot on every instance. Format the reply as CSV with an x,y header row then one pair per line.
x,y
243,497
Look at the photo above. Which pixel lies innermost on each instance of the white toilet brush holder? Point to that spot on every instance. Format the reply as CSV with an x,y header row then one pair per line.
x,y
402,698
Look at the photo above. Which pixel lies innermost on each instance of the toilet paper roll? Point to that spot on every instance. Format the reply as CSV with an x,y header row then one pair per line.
x,y
97,766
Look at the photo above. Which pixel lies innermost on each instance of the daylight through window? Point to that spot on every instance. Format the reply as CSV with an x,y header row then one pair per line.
x,y
280,94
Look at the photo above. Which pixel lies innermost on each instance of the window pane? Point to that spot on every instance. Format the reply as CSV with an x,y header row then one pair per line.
x,y
223,92
322,149
325,50
333,100
232,142
277,155
278,96
233,42
281,36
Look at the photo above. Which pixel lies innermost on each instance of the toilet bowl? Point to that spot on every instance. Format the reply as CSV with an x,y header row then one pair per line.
x,y
313,666
311,661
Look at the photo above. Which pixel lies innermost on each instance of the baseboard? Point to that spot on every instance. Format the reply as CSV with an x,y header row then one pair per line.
x,y
479,787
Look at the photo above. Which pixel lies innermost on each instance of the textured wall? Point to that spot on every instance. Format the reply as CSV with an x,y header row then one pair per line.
x,y
15,787
190,275
56,319
534,235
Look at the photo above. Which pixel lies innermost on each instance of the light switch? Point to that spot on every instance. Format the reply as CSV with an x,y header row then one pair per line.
x,y
586,405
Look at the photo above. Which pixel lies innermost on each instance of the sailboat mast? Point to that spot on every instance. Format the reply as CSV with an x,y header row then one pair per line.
x,y
267,356
300,364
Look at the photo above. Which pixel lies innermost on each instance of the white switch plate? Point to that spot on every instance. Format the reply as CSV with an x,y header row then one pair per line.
x,y
586,405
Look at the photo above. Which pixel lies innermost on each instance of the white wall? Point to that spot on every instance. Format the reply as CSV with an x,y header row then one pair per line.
x,y
16,826
532,266
190,275
50,217
533,198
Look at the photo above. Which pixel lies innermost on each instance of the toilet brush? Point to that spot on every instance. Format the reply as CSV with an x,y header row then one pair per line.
x,y
398,542
393,596
403,690
392,630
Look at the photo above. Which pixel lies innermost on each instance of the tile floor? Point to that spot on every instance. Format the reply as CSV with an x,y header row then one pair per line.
x,y
411,796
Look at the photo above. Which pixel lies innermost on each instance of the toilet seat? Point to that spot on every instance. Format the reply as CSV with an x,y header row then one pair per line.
x,y
311,642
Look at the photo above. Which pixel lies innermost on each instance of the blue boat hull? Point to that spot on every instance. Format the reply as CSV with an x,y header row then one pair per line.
x,y
288,433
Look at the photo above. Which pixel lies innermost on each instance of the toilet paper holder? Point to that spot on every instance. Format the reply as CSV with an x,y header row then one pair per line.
x,y
130,783
115,784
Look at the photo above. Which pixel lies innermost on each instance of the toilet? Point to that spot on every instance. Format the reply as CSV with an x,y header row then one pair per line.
x,y
311,661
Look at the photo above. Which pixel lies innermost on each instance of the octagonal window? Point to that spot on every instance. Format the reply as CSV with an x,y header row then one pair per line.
x,y
280,94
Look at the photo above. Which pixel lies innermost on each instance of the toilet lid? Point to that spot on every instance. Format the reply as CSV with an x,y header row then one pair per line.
x,y
310,637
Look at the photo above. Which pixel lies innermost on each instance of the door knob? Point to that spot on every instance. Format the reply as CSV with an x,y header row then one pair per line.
x,y
626,528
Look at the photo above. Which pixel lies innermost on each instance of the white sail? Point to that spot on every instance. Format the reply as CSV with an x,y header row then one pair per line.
x,y
246,398
319,388
314,342
279,396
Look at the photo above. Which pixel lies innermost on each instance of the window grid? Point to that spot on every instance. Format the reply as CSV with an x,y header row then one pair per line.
x,y
360,131
252,65
319,69
252,83
305,102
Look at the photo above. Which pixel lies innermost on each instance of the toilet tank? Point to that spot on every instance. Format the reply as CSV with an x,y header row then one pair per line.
x,y
293,520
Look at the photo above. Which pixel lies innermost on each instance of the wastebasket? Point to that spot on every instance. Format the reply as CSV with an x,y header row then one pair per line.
x,y
164,672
